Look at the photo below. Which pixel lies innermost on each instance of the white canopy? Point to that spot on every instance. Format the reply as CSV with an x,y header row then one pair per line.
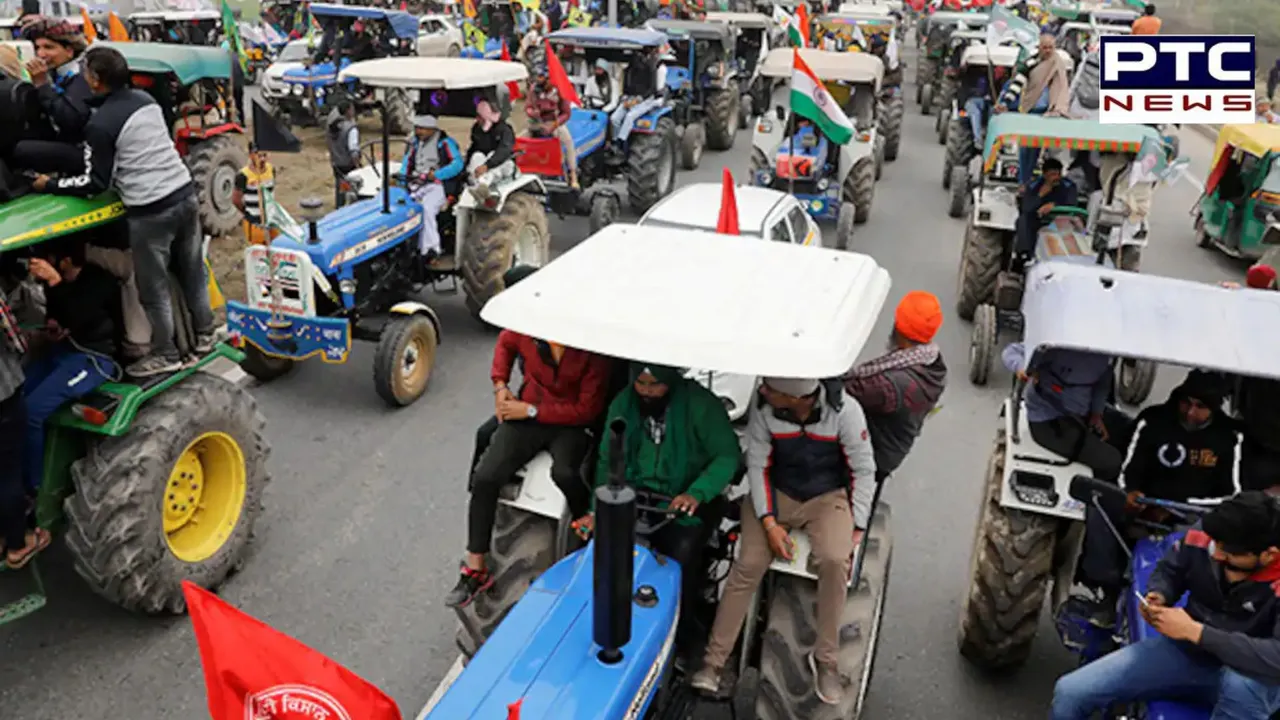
x,y
431,73
741,19
696,299
852,67
1127,314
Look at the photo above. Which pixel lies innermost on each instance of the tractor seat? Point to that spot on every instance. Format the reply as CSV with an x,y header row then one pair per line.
x,y
1063,237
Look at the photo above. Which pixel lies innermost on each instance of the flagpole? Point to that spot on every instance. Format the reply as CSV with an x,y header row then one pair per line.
x,y
791,149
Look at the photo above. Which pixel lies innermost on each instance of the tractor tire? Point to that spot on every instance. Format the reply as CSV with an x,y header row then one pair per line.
x,y
759,161
399,112
878,154
692,144
844,226
746,106
404,359
926,100
214,164
959,143
263,367
605,209
924,83
1009,572
651,166
980,262
116,520
959,199
942,124
786,678
982,343
947,167
891,127
491,247
860,188
723,109
1134,381
946,93
523,547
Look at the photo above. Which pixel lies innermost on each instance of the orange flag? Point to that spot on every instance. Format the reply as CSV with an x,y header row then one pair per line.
x,y
469,8
559,77
253,670
90,32
513,710
802,21
513,87
115,29
727,224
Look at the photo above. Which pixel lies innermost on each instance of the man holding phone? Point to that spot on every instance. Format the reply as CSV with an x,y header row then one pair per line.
x,y
1050,191
1223,648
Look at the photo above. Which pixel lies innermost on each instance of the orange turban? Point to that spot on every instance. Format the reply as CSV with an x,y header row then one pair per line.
x,y
918,316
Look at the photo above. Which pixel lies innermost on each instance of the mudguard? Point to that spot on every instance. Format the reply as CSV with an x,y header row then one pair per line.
x,y
996,208
543,654
647,124
467,203
410,307
1036,480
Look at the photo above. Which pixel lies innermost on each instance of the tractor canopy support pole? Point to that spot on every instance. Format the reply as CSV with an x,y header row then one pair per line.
x,y
386,154
613,13
614,560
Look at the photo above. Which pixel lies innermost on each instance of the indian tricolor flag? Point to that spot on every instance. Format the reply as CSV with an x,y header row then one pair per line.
x,y
810,99
797,28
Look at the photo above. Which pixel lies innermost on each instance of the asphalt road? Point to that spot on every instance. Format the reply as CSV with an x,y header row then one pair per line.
x,y
364,520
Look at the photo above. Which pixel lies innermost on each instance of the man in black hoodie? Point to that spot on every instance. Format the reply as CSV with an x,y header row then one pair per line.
x,y
1186,450
1223,649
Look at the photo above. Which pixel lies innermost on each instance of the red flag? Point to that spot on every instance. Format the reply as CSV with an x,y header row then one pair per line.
x,y
558,76
513,710
727,224
513,87
253,670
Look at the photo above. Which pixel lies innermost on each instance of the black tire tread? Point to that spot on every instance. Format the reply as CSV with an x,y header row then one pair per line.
x,y
722,123
860,188
486,254
979,268
203,162
386,360
644,187
891,128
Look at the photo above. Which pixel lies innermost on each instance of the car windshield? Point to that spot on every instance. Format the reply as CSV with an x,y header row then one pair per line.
x,y
294,52
1271,183
686,226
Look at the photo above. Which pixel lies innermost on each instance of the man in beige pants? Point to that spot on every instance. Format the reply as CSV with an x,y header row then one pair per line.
x,y
810,467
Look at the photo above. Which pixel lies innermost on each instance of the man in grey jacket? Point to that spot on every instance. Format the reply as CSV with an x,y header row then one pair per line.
x,y
810,467
127,146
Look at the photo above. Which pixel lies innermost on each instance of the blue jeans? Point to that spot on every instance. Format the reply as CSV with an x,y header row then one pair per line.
x,y
1161,669
63,375
976,109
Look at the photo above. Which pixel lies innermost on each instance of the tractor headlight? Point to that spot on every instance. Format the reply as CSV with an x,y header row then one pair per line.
x,y
298,90
765,126
347,287
764,178
823,184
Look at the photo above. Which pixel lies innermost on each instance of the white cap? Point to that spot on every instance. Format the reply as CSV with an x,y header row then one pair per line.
x,y
426,121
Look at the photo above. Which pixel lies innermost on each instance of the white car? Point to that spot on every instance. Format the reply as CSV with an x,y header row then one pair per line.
x,y
762,213
293,55
439,36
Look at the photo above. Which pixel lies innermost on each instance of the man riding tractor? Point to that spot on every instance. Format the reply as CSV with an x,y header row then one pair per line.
x,y
701,82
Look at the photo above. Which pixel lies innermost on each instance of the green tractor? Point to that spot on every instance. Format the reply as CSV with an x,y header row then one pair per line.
x,y
150,482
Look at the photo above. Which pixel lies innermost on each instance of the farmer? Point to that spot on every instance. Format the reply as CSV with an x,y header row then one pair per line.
x,y
431,168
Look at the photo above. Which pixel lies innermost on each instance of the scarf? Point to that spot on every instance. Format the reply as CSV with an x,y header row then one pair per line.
x,y
898,359
1041,74
674,458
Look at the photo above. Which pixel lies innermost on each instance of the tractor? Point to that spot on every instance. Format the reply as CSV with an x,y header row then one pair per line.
x,y
177,27
757,33
703,85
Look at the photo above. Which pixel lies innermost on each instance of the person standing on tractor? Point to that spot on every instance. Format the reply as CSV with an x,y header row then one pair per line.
x,y
899,389
62,93
491,155
1041,85
20,544
127,147
564,392
252,180
344,146
1148,24
549,113
431,168
678,442
811,467
1223,648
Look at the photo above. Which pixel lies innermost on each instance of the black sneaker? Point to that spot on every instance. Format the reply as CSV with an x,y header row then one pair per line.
x,y
470,584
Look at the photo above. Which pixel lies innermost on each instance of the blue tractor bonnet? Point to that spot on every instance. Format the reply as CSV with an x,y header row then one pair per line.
x,y
402,24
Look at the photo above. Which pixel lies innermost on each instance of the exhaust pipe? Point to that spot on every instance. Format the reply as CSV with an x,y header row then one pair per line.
x,y
614,562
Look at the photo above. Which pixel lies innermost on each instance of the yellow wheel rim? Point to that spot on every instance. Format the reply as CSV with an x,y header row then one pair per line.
x,y
204,497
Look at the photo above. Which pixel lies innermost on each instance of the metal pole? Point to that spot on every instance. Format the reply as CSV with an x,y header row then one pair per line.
x,y
613,13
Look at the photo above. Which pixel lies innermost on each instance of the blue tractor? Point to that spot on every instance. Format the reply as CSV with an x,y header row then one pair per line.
x,y
588,632
645,157
351,33
702,82
355,273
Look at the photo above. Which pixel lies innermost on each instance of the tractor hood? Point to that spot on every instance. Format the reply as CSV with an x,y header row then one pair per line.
x,y
34,218
359,231
320,74
543,655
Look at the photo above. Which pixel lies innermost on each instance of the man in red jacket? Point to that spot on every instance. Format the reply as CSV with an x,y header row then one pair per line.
x,y
564,391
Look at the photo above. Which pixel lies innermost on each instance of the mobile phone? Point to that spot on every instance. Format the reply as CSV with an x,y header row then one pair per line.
x,y
1142,599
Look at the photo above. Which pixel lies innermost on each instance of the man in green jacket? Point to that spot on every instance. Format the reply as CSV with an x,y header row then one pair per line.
x,y
678,442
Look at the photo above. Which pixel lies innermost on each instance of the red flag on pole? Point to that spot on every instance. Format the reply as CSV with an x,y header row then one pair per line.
x,y
513,87
559,78
727,224
253,670
513,710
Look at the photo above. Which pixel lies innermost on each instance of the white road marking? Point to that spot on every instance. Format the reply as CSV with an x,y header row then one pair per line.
x,y
442,688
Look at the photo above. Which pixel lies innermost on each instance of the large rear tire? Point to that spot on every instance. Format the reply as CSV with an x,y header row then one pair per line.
x,y
982,343
860,188
1134,381
958,186
979,267
524,546
496,242
399,112
201,439
1009,572
786,681
651,166
959,143
723,109
891,127
214,164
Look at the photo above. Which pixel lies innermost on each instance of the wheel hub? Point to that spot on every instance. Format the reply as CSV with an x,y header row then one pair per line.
x,y
221,187
204,496
411,353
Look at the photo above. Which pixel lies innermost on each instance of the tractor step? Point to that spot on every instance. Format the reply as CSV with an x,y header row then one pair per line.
x,y
29,603
442,274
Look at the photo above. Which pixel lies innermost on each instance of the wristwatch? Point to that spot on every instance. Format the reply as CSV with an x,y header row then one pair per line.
x,y
533,412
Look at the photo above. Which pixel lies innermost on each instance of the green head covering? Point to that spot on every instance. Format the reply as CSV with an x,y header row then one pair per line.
x,y
674,457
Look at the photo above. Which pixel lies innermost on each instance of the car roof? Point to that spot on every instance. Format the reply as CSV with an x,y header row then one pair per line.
x,y
605,37
402,24
1255,138
693,28
188,63
826,64
1139,315
430,73
1062,133
742,19
697,206
693,299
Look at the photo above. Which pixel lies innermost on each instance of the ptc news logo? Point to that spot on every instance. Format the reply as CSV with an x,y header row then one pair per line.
x,y
1177,79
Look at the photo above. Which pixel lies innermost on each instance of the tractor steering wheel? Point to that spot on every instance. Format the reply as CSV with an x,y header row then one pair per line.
x,y
653,512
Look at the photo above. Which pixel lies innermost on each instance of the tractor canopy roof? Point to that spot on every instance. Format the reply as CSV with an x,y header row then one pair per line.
x,y
1064,133
1112,16
826,64
970,34
1256,139
694,29
687,298
402,24
608,38
969,19
190,63
1150,317
755,21
1099,29
36,218
175,16
867,12
434,73
1000,56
